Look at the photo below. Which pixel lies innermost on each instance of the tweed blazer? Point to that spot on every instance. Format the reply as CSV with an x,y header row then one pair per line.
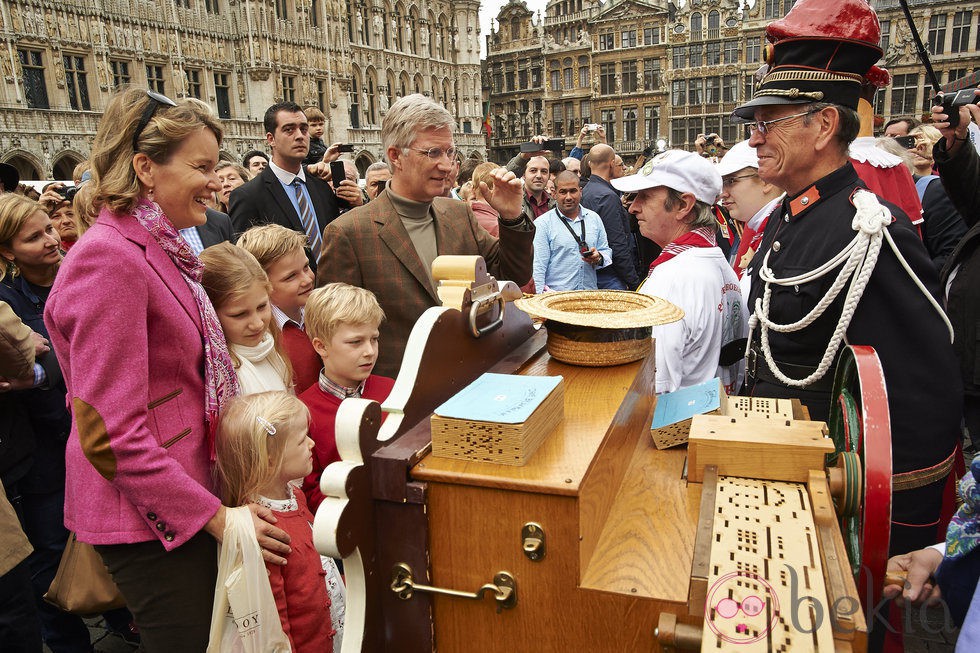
x,y
128,334
370,247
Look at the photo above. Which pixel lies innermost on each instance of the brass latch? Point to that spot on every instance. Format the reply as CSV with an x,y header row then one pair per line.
x,y
532,541
504,587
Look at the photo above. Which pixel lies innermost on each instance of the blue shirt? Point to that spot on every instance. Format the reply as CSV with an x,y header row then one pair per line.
x,y
558,265
287,178
192,238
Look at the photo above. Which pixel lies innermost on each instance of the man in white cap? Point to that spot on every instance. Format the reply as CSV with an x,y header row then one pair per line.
x,y
674,194
748,200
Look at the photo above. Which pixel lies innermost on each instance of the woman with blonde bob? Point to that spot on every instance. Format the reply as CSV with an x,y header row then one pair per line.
x,y
148,370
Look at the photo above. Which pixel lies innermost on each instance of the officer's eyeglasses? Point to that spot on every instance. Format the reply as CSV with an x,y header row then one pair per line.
x,y
763,126
436,153
156,100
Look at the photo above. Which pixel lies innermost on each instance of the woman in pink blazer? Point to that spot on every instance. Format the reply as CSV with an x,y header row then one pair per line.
x,y
147,370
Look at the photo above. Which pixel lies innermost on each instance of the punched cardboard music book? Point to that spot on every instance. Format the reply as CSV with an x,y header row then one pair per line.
x,y
672,416
499,418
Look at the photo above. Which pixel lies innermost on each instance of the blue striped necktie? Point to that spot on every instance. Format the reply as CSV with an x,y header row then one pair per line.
x,y
307,218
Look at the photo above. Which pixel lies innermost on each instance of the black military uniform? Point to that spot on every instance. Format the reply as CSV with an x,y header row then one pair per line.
x,y
827,62
893,316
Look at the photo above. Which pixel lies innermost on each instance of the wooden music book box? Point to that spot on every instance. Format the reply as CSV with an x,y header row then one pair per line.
x,y
499,418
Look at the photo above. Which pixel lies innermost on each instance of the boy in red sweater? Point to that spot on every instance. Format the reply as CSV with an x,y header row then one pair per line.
x,y
342,322
281,253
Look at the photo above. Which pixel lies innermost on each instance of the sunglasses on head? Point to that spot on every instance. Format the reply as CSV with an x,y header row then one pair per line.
x,y
155,101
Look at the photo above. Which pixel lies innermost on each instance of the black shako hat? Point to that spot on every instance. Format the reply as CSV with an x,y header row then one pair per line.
x,y
820,51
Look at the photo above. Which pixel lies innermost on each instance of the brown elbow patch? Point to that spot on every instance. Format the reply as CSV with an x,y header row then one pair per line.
x,y
94,438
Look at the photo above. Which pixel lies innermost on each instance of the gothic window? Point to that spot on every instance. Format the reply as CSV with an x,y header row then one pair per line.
x,y
211,6
731,51
568,74
120,73
583,72
629,123
937,34
76,82
651,74
355,106
608,119
372,105
585,110
154,78
714,24
886,26
557,119
962,20
679,57
678,91
222,95
729,88
607,79
695,93
365,24
282,9
695,55
712,90
629,77
606,41
314,12
194,83
753,49
35,89
289,88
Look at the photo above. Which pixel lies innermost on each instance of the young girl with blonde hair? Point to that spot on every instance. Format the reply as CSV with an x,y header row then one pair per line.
x,y
239,289
263,444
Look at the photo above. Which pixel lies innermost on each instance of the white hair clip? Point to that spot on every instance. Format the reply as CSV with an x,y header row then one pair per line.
x,y
266,424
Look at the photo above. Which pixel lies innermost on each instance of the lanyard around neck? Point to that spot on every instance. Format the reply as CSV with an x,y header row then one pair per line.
x,y
565,221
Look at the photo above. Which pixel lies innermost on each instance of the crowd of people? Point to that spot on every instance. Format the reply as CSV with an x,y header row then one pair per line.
x,y
178,332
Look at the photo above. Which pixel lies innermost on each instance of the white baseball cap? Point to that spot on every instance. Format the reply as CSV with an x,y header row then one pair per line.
x,y
741,156
685,172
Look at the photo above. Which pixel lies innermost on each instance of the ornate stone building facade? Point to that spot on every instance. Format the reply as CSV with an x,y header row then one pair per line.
x,y
351,58
649,70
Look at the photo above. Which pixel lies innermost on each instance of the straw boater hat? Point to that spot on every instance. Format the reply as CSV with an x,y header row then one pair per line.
x,y
821,51
599,327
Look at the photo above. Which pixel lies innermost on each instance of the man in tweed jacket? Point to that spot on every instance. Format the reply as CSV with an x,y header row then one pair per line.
x,y
388,245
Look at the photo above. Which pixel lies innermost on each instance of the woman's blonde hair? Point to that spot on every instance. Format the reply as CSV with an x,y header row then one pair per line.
x,y
484,173
15,210
339,303
928,132
252,434
119,188
84,205
270,242
229,272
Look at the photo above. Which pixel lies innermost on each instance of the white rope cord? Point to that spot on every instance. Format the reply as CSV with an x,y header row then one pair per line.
x,y
859,258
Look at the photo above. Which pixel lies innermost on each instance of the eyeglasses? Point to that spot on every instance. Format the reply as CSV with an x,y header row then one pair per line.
x,y
156,100
762,126
728,182
436,153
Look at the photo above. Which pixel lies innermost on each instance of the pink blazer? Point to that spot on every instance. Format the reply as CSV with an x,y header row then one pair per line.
x,y
128,335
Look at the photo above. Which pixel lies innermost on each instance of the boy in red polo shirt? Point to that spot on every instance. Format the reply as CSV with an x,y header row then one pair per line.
x,y
281,253
342,322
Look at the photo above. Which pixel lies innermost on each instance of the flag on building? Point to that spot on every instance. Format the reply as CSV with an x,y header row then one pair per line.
x,y
487,125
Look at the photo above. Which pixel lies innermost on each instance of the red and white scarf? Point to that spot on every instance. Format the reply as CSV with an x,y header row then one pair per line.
x,y
702,237
220,379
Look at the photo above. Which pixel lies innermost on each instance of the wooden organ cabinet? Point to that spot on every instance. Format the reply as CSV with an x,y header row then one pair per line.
x,y
601,542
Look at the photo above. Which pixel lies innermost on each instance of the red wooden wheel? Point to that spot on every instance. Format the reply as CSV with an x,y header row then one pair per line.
x,y
860,424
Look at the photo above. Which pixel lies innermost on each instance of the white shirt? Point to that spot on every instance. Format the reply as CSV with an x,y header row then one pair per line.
x,y
702,283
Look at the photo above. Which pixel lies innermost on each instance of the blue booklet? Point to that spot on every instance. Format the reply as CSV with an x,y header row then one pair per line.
x,y
679,405
503,398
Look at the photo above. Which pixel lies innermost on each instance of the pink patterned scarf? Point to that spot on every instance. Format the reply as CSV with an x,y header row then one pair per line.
x,y
703,237
220,379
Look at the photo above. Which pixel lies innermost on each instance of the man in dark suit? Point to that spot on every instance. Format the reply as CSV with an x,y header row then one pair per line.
x,y
284,193
388,245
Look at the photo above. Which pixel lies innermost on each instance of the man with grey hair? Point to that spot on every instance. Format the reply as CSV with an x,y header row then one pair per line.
x,y
387,246
674,194
599,196
375,177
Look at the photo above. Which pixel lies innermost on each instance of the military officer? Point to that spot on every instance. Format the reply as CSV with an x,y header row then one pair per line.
x,y
802,118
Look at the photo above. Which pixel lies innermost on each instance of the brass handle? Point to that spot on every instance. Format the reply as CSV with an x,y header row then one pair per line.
x,y
503,587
